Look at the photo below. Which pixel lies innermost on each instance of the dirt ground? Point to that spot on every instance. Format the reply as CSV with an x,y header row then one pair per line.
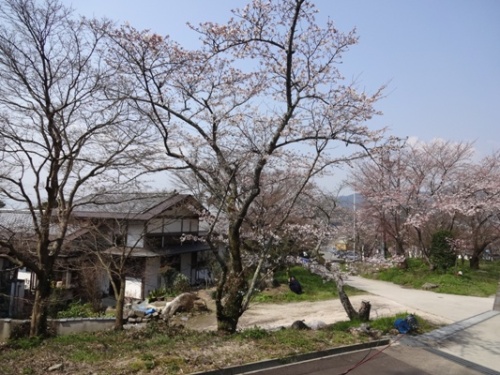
x,y
274,316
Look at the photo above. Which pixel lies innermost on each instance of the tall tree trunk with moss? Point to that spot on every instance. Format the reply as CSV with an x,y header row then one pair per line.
x,y
39,313
120,302
231,289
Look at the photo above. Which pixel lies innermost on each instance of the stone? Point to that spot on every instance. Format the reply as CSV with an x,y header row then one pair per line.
x,y
139,313
183,302
428,286
299,324
56,367
317,324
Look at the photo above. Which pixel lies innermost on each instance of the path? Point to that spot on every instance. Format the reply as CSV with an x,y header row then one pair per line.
x,y
386,299
272,315
448,307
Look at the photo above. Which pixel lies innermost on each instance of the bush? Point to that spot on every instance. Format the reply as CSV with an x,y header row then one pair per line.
x,y
175,282
181,284
442,256
157,294
78,310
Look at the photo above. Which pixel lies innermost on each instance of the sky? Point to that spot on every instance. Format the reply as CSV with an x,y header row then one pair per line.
x,y
440,59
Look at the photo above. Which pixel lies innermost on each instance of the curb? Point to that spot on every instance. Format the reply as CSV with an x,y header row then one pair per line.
x,y
463,362
439,334
429,340
255,366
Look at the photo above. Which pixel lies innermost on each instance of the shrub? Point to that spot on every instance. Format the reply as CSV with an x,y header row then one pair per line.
x,y
78,309
442,255
175,282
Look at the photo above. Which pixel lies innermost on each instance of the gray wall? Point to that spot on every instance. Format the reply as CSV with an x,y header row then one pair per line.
x,y
496,304
62,326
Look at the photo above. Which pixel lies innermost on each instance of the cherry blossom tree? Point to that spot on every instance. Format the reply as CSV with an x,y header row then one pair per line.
x,y
474,205
437,164
263,93
386,196
425,188
61,135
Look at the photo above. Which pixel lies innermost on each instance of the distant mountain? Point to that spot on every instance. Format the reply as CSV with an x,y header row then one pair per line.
x,y
349,200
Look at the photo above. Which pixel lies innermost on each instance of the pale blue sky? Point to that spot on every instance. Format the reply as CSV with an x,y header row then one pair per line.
x,y
440,58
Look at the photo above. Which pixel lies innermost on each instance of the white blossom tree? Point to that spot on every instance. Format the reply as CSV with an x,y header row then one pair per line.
x,y
263,93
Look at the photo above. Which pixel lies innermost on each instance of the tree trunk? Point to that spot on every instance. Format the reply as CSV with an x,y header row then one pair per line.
x,y
364,311
251,287
474,262
38,326
346,303
400,249
120,303
229,312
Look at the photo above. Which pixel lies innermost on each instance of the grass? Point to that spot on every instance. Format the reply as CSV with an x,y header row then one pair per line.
x,y
313,286
480,283
162,349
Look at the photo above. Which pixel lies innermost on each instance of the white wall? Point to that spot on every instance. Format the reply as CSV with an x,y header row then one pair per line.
x,y
102,280
135,233
133,288
26,276
151,272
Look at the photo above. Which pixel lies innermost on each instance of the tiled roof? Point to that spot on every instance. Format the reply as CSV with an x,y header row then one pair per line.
x,y
136,206
140,206
21,221
16,221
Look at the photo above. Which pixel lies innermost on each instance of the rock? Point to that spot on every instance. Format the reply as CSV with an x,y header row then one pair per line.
x,y
299,324
317,324
200,305
139,313
428,286
365,329
59,366
183,302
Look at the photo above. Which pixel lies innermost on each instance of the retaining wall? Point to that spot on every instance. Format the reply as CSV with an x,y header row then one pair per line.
x,y
61,326
496,303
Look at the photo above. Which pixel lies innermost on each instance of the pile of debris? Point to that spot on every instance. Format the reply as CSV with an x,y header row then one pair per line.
x,y
144,311
140,313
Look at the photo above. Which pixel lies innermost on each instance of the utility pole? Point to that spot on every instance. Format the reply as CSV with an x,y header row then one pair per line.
x,y
354,222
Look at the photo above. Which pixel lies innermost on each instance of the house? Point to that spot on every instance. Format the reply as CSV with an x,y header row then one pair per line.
x,y
14,224
148,231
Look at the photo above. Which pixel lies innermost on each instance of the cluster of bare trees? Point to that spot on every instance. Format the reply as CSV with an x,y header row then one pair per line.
x,y
422,188
61,134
